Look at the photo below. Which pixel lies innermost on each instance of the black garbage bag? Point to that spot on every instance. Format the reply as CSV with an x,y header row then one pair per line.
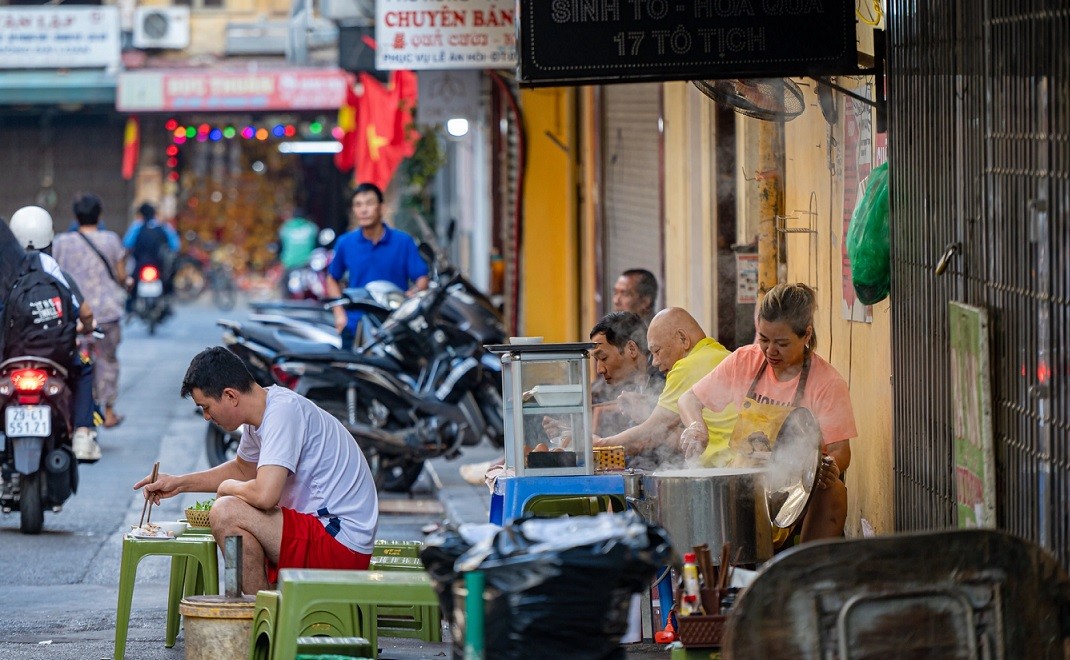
x,y
560,587
441,551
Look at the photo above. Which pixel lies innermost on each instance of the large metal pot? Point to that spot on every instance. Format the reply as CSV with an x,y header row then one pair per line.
x,y
712,506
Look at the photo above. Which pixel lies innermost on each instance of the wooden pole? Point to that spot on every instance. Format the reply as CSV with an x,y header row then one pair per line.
x,y
771,202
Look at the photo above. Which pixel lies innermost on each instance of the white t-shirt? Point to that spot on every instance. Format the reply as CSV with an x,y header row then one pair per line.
x,y
50,266
329,476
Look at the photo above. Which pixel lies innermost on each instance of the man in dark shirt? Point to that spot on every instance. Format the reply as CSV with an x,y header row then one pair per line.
x,y
628,386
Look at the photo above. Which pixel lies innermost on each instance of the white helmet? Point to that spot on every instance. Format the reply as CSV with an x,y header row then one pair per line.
x,y
32,226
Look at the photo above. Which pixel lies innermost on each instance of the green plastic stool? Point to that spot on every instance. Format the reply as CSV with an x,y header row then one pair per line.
x,y
410,621
263,629
333,620
552,506
305,593
396,564
397,549
187,579
183,549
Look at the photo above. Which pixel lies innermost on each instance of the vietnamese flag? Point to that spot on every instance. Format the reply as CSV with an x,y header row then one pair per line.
x,y
346,159
385,135
131,147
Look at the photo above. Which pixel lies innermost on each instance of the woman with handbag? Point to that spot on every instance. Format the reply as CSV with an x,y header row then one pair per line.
x,y
94,257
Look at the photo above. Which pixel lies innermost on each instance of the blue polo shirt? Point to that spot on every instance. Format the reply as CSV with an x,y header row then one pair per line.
x,y
394,259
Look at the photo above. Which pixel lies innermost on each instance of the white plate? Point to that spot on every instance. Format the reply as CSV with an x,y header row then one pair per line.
x,y
558,395
146,537
525,340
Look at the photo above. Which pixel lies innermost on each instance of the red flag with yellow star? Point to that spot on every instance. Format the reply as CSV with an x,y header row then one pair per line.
x,y
131,147
345,159
385,135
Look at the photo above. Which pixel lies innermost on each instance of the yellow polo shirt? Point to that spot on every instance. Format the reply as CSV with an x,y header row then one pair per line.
x,y
689,370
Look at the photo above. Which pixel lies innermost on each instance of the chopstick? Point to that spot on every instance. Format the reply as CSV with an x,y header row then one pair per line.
x,y
147,506
604,404
722,578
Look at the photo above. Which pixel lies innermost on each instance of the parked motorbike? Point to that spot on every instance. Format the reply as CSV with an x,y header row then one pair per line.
x,y
419,390
151,305
37,467
381,298
310,281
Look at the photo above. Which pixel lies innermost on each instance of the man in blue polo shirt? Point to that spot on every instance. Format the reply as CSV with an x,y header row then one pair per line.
x,y
372,252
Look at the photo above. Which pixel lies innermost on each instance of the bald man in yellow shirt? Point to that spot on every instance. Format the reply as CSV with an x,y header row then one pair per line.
x,y
680,348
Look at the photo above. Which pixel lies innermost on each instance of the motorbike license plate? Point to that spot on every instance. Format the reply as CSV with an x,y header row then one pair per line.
x,y
28,421
153,289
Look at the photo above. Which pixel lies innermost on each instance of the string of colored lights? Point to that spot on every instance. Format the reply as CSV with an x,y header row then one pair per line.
x,y
181,134
205,132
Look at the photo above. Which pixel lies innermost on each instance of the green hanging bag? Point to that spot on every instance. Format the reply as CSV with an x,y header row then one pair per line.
x,y
869,241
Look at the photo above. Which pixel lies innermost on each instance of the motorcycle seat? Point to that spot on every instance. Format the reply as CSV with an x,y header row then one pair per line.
x,y
383,362
280,341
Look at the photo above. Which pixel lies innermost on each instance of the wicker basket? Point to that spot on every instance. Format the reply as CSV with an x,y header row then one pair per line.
x,y
607,459
701,630
197,518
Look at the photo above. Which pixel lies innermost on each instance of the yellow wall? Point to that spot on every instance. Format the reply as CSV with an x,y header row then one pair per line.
x,y
690,274
550,278
861,352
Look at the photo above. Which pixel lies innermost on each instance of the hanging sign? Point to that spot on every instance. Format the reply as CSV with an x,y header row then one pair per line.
x,y
281,89
444,34
446,95
59,37
627,40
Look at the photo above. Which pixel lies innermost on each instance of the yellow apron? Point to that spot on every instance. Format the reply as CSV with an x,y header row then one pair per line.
x,y
757,429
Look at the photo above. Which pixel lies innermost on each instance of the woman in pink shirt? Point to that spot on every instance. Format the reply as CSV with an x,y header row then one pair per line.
x,y
781,369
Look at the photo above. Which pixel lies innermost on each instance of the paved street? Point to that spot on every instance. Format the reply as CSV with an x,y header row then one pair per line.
x,y
59,589
58,593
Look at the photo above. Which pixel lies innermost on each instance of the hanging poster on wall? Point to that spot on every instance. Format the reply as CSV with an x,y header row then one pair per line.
x,y
857,164
971,401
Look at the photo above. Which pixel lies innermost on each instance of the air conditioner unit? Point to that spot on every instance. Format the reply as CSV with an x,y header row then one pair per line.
x,y
161,27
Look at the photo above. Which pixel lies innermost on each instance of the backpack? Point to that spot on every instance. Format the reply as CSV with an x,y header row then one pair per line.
x,y
152,247
39,318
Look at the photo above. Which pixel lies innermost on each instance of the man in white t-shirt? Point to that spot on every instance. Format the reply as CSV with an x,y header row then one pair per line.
x,y
299,492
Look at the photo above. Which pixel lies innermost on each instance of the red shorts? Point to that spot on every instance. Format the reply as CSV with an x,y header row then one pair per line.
x,y
307,544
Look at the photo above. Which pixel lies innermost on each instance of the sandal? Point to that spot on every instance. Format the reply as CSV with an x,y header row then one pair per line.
x,y
114,421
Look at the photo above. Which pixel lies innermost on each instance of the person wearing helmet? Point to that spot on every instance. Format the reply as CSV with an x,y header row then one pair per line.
x,y
32,228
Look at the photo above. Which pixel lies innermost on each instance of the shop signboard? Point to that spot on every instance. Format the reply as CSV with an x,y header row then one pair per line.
x,y
283,89
422,35
59,37
605,41
446,95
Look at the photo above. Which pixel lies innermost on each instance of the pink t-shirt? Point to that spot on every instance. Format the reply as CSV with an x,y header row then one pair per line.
x,y
826,394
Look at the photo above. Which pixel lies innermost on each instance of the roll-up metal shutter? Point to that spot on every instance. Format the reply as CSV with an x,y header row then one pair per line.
x,y
631,185
48,160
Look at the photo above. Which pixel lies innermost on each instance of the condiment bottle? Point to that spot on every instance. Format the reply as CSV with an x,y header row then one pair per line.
x,y
691,603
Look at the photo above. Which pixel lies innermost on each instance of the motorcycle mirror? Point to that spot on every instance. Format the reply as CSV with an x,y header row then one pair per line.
x,y
326,236
451,229
427,252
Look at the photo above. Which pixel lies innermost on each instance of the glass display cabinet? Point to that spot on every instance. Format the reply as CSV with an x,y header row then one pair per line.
x,y
547,407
